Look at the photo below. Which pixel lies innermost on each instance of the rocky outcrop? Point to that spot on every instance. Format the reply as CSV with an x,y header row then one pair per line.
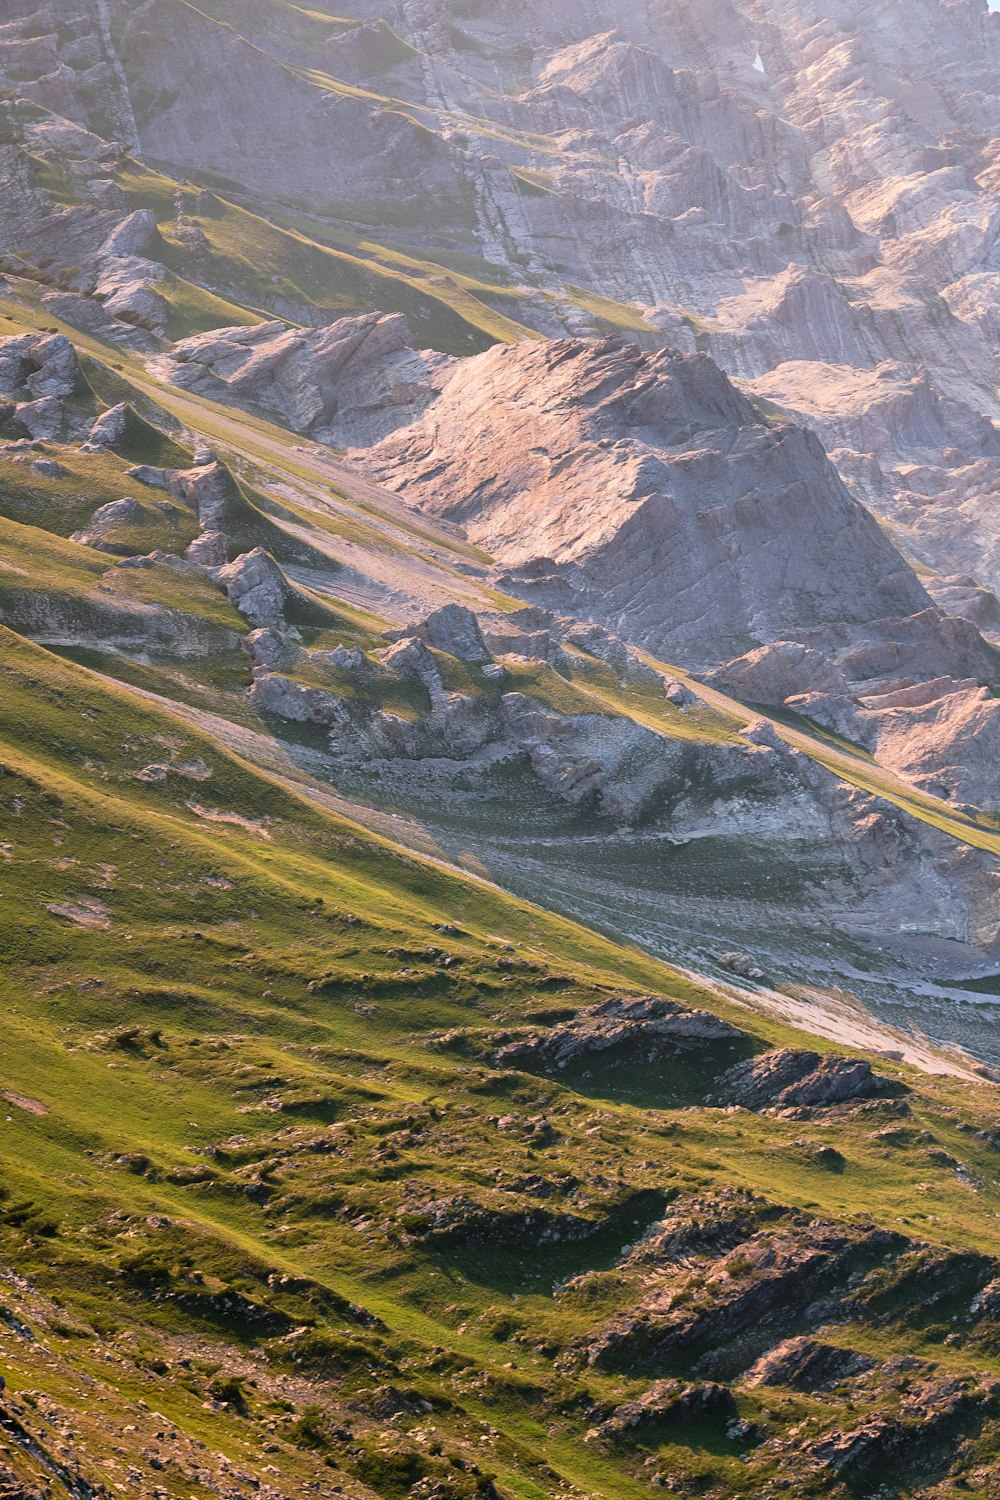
x,y
454,628
751,1296
39,366
583,468
352,382
787,1079
621,1033
207,488
807,1364
668,1401
39,377
931,1416
271,649
108,521
257,587
108,430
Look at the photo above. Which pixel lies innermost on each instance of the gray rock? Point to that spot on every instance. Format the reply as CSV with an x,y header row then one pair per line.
x,y
454,628
275,694
108,430
579,465
351,382
411,658
135,235
158,479
741,964
210,550
256,586
271,649
788,1079
100,529
42,419
349,659
127,288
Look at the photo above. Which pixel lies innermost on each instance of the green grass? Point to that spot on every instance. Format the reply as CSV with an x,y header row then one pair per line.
x,y
228,1101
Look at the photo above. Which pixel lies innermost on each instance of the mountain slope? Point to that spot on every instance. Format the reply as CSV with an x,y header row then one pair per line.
x,y
499,838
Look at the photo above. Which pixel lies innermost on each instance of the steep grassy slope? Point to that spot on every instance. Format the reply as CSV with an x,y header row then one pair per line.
x,y
233,1230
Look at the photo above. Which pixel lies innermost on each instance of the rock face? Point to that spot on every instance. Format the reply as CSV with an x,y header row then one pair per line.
x,y
455,629
257,587
788,1079
352,382
584,469
806,1364
620,1033
108,430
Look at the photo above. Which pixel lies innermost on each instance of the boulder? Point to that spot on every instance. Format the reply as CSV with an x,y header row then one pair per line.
x,y
741,964
806,1364
411,658
135,235
127,287
99,530
348,659
788,1079
621,1032
271,649
39,365
42,419
209,550
454,628
108,430
256,586
273,693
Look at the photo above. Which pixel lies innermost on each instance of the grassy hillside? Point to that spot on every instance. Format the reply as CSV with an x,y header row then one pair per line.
x,y
318,1232
232,1227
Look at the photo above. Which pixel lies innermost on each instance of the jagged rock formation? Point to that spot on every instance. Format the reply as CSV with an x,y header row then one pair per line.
x,y
256,585
584,469
353,382
620,1033
786,1079
39,375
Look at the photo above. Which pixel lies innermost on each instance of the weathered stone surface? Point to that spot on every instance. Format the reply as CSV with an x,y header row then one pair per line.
x,y
931,1414
42,419
135,235
271,649
351,382
257,587
454,628
806,1364
582,466
753,1294
39,365
788,1079
273,693
209,550
108,430
106,520
620,1032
